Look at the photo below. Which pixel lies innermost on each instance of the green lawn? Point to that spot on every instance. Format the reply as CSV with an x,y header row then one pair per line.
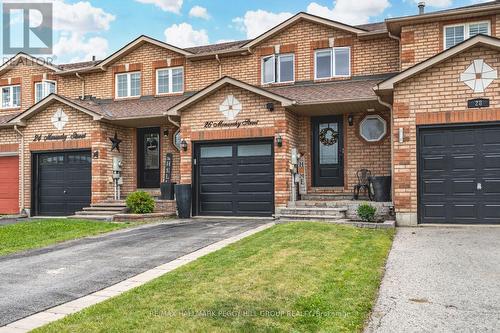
x,y
300,277
40,233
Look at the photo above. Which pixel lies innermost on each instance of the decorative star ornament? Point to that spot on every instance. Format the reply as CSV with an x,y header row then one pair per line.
x,y
230,107
479,75
59,119
115,142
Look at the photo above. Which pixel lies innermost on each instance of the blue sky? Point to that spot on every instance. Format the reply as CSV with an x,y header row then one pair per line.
x,y
99,27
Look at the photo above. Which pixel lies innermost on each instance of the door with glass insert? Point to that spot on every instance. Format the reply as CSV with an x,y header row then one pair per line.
x,y
328,149
148,141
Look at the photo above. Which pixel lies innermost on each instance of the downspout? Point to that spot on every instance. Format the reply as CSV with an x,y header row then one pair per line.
x,y
389,106
220,65
83,84
176,124
22,167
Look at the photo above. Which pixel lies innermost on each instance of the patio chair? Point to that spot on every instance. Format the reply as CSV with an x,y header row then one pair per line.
x,y
364,179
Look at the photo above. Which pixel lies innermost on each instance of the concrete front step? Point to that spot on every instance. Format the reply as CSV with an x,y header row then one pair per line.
x,y
109,204
329,196
318,204
99,212
94,217
306,211
323,218
119,209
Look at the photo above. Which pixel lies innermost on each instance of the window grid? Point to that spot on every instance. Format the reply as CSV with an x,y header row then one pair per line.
x,y
332,60
272,68
11,97
170,80
128,85
455,34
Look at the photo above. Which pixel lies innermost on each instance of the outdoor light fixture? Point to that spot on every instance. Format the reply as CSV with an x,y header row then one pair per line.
x,y
279,140
270,107
95,154
165,133
184,145
350,119
401,135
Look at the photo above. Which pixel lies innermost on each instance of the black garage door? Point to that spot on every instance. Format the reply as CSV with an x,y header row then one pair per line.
x,y
62,182
459,175
234,179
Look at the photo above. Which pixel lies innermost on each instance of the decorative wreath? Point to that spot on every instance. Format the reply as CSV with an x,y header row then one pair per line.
x,y
328,136
151,144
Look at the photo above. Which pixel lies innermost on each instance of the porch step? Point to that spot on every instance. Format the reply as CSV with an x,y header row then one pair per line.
x,y
107,218
107,208
308,211
320,204
326,196
110,203
100,212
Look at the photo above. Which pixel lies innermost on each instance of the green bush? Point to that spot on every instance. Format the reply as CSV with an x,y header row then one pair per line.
x,y
366,212
140,202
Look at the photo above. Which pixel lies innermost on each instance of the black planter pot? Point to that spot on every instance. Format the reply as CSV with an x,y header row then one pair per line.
x,y
183,199
167,191
382,188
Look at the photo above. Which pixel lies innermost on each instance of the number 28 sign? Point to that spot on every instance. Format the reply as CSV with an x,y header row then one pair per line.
x,y
478,103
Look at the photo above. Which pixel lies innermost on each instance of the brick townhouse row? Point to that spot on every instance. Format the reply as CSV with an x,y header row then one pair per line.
x,y
254,125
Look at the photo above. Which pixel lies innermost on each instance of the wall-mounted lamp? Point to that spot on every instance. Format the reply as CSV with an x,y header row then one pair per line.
x,y
165,133
401,135
184,145
95,154
350,119
270,107
279,141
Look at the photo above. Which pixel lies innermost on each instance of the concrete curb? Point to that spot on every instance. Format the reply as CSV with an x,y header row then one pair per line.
x,y
55,313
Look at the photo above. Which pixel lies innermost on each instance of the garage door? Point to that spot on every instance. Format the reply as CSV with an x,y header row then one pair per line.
x,y
234,179
459,175
9,185
62,182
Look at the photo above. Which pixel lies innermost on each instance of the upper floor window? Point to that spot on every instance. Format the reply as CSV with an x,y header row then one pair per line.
x,y
128,85
278,68
334,62
457,33
11,97
170,80
44,89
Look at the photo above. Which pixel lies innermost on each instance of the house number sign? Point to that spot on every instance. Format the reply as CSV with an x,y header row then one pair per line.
x,y
229,124
478,103
59,137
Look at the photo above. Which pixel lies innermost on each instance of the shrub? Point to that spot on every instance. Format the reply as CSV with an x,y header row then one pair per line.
x,y
366,212
140,202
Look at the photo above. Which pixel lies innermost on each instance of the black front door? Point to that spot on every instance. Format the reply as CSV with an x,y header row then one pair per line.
x,y
234,178
459,174
148,157
328,147
61,182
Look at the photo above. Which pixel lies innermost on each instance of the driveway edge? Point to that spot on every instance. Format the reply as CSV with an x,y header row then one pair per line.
x,y
58,312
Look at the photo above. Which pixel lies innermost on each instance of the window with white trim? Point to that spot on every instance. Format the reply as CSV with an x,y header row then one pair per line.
x,y
170,80
128,85
373,128
11,97
278,68
457,33
334,62
44,89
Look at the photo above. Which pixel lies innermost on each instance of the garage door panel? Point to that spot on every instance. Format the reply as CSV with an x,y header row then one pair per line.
x,y
63,182
465,169
9,185
236,179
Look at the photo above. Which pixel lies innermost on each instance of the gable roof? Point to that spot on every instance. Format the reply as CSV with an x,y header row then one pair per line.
x,y
135,44
489,41
303,16
14,60
20,119
226,80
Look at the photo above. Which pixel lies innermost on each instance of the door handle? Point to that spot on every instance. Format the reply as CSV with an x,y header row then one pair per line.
x,y
65,192
479,186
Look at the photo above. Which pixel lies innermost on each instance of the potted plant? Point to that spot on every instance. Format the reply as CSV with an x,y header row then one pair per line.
x,y
167,187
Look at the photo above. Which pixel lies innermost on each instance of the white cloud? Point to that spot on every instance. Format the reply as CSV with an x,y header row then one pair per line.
x,y
173,6
183,35
200,12
76,47
350,12
254,23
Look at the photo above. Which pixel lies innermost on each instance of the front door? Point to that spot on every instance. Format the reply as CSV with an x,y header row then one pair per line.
x,y
328,149
148,153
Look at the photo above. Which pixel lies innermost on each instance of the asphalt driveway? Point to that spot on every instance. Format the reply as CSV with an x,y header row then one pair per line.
x,y
441,280
36,280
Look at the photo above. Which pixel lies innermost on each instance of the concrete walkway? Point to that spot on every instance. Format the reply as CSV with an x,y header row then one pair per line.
x,y
40,279
441,280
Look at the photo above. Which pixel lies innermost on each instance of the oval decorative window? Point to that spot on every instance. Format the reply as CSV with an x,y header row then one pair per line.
x,y
373,128
176,138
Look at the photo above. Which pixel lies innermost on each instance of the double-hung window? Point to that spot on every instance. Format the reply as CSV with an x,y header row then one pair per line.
x,y
44,89
457,33
11,97
278,68
128,85
170,80
334,62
